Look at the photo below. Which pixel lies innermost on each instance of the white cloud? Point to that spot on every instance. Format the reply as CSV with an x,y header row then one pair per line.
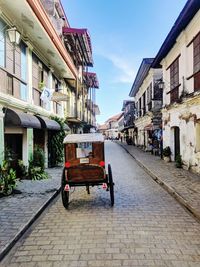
x,y
124,66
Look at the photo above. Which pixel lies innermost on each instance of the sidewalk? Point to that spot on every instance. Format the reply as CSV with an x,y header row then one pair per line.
x,y
182,184
18,211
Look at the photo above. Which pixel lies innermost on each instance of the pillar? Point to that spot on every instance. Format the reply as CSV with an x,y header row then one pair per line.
x,y
1,135
29,143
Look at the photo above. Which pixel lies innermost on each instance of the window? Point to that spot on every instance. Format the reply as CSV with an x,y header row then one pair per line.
x,y
23,92
84,150
23,62
2,44
144,103
196,53
9,84
174,81
198,136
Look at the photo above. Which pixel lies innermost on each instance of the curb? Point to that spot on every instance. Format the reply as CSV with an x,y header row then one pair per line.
x,y
167,187
27,225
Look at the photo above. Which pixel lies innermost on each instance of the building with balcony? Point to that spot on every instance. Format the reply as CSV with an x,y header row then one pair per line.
x,y
129,118
148,103
35,56
179,56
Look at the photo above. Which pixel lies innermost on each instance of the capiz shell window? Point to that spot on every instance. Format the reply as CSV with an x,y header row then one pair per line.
x,y
2,43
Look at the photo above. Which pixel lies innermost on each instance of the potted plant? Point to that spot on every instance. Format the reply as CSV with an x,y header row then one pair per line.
x,y
166,154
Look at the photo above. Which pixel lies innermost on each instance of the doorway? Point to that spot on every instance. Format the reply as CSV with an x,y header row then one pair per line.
x,y
176,141
13,150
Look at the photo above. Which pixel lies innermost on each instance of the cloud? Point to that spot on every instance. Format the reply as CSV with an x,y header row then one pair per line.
x,y
124,67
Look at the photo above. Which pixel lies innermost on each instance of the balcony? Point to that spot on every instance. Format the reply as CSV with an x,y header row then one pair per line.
x,y
55,13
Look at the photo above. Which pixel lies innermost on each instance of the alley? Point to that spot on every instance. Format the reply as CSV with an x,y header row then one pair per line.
x,y
146,227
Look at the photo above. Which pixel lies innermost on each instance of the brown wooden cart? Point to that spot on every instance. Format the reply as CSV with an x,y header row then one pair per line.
x,y
85,165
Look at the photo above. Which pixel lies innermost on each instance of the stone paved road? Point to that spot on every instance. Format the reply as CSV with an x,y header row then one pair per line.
x,y
146,227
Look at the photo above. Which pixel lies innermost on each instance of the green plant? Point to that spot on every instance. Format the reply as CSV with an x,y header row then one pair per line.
x,y
178,160
37,165
22,169
36,173
38,159
8,180
56,143
167,151
41,85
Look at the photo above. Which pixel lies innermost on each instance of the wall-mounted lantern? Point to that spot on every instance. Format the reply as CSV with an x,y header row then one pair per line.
x,y
14,36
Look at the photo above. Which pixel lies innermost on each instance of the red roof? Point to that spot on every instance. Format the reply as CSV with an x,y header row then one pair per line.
x,y
103,127
115,117
91,80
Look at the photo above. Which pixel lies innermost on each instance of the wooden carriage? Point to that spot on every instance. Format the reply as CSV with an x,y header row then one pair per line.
x,y
85,165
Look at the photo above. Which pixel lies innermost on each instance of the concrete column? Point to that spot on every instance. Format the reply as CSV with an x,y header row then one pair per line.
x,y
27,145
1,135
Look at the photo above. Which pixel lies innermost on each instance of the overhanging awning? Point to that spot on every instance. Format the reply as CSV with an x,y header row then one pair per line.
x,y
21,119
83,37
91,80
49,124
66,127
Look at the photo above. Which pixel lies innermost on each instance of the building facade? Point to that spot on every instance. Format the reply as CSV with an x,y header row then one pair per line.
x,y
148,103
129,120
180,59
38,60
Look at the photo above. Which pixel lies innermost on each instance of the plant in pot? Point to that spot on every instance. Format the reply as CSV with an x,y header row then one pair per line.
x,y
166,154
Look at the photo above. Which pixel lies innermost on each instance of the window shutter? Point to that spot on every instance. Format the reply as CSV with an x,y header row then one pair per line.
x,y
35,72
16,86
18,61
3,78
9,56
45,77
196,47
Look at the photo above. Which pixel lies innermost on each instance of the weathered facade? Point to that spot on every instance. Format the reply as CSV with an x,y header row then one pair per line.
x,y
180,59
148,102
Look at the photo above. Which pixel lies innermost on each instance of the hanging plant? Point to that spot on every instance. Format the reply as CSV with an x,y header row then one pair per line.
x,y
41,85
56,142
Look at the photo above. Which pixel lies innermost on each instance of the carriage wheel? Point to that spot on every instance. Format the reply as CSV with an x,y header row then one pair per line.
x,y
111,185
64,194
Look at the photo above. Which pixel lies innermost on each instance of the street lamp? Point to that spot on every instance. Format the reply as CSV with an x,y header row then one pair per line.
x,y
14,36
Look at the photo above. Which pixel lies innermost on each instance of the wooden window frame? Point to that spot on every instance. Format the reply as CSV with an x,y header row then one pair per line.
x,y
196,62
174,81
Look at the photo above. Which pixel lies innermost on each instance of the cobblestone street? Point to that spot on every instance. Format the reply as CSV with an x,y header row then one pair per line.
x,y
146,226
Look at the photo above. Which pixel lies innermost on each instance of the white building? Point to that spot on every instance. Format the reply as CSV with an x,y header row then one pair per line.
x,y
180,59
148,102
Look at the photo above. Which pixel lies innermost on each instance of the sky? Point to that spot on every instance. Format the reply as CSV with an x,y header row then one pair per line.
x,y
123,32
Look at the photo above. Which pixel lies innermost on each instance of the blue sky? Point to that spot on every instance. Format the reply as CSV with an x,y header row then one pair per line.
x,y
122,33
